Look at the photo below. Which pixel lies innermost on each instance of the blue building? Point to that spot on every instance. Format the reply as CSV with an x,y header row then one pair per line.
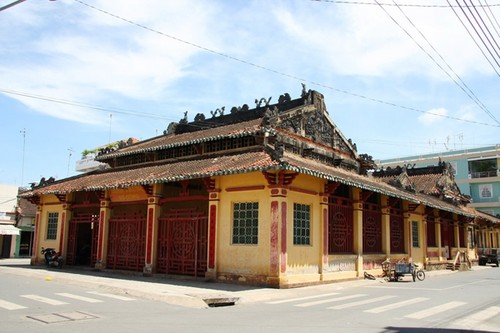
x,y
477,173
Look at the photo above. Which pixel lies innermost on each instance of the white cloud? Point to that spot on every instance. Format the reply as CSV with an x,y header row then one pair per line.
x,y
433,116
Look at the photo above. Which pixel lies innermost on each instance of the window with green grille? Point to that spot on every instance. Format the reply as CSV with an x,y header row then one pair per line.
x,y
52,220
301,224
245,222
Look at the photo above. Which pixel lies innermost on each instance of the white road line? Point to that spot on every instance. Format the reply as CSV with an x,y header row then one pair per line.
x,y
396,305
475,319
119,297
10,306
434,310
358,303
80,298
44,299
289,300
330,300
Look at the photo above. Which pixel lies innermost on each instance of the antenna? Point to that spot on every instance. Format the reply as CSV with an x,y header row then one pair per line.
x,y
70,150
23,132
110,120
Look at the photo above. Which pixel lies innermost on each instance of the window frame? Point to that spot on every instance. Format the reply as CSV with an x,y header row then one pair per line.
x,y
415,232
52,225
251,223
306,238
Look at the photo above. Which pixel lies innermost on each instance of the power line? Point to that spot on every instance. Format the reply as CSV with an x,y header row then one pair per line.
x,y
84,105
472,37
249,63
391,4
463,86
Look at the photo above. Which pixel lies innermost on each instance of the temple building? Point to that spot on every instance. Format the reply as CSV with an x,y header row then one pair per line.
x,y
270,195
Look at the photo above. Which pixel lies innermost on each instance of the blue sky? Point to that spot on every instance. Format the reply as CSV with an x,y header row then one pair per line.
x,y
75,74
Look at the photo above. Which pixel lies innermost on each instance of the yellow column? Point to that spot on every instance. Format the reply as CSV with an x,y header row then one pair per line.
x,y
358,229
65,218
153,214
438,236
35,254
278,232
324,232
407,229
386,226
102,239
213,217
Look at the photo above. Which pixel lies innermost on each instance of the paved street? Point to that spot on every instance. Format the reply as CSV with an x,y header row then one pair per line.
x,y
42,300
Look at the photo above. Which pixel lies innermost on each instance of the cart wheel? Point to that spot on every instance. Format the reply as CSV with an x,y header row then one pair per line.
x,y
421,275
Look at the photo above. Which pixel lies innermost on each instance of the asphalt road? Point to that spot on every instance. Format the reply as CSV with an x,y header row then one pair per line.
x,y
461,302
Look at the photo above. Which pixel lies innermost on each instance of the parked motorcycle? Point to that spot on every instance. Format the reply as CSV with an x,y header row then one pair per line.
x,y
52,258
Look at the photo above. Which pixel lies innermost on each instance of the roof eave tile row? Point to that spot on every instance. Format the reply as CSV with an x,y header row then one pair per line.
x,y
248,128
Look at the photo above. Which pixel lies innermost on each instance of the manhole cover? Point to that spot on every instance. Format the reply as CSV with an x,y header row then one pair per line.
x,y
52,318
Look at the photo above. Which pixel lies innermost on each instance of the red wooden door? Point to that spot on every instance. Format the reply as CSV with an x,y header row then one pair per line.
x,y
340,226
82,248
182,242
127,241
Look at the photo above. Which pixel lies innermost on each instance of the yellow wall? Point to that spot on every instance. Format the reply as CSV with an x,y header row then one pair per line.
x,y
49,204
236,261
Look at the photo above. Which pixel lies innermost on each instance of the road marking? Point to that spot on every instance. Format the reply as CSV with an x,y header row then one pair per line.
x,y
475,319
10,306
330,300
80,298
119,297
435,310
367,301
44,299
396,305
288,300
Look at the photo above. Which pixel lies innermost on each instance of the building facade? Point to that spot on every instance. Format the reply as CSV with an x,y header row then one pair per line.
x,y
477,173
273,195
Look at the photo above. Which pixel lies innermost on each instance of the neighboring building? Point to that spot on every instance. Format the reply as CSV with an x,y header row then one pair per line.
x,y
477,173
8,230
88,163
274,195
25,217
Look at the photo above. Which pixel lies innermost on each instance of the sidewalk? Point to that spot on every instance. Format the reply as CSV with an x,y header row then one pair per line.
x,y
195,293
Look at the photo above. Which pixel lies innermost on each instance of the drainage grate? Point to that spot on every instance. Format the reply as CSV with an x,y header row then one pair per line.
x,y
221,301
52,318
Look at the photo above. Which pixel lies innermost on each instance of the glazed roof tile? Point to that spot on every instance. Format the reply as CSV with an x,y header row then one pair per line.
x,y
167,172
175,140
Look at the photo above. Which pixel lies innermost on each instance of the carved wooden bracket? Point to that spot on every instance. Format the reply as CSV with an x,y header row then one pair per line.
x,y
412,207
279,178
61,198
184,192
34,200
392,202
331,187
148,189
365,195
209,184
100,194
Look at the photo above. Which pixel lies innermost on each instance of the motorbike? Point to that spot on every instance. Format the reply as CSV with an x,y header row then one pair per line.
x,y
52,257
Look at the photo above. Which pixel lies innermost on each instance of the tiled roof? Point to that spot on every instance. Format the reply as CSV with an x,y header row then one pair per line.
x,y
232,164
377,185
174,140
171,172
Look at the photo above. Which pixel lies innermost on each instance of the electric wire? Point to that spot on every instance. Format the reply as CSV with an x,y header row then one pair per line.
x,y
294,77
344,2
493,21
487,29
462,85
472,37
479,34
